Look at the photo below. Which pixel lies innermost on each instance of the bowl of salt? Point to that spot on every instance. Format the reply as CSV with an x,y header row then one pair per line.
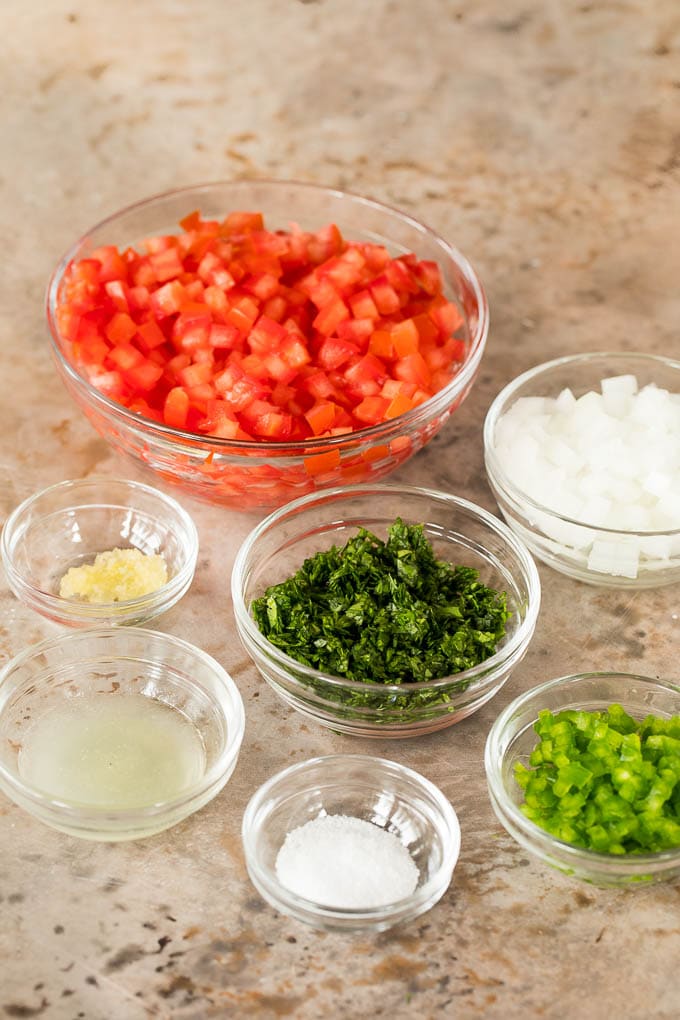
x,y
350,842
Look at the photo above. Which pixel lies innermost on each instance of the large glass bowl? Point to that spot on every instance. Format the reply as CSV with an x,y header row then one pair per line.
x,y
460,533
263,475
102,667
512,738
582,548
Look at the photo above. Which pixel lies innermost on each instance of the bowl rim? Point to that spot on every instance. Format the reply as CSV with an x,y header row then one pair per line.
x,y
448,829
172,510
231,709
417,416
533,832
516,643
499,479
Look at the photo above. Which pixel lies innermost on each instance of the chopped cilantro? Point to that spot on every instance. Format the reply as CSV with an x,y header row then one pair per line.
x,y
384,612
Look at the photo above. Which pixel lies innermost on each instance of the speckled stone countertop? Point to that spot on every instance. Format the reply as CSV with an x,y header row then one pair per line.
x,y
544,140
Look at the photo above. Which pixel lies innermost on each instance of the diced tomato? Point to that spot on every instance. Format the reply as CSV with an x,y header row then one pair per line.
x,y
120,328
262,285
191,221
242,223
138,298
399,404
151,335
356,331
367,368
195,375
429,276
108,383
168,299
446,317
231,330
413,368
224,335
125,356
405,338
317,384
321,416
143,375
381,344
322,463
324,244
111,263
385,296
176,408
363,306
330,316
243,313
167,264
334,352
371,410
266,335
92,350
118,292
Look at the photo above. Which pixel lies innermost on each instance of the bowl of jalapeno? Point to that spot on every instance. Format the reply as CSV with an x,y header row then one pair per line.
x,y
584,772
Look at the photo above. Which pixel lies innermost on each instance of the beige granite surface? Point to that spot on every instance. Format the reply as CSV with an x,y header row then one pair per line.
x,y
543,138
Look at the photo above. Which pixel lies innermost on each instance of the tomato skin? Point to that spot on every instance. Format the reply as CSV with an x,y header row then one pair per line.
x,y
234,331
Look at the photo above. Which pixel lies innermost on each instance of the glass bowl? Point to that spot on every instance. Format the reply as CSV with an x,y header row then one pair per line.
x,y
68,524
512,738
459,532
393,797
263,475
581,537
116,733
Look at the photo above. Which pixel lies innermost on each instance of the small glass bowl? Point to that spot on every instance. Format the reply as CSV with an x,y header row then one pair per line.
x,y
105,663
564,542
396,798
247,475
459,532
512,738
66,526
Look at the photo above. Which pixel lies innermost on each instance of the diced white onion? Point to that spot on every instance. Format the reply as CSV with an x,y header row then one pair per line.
x,y
607,460
615,558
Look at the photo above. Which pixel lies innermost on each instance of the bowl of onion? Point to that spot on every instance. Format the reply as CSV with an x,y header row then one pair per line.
x,y
252,341
583,457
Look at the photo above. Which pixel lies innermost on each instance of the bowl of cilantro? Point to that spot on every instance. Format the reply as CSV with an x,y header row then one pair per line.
x,y
384,610
584,772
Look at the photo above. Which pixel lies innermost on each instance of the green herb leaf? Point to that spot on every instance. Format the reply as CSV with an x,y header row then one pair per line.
x,y
384,612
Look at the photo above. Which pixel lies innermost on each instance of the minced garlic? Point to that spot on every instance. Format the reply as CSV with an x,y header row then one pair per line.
x,y
115,576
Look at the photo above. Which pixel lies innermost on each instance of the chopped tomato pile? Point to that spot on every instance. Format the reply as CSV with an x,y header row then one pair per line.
x,y
231,330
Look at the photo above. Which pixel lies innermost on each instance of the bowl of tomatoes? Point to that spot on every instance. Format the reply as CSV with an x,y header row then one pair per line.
x,y
253,341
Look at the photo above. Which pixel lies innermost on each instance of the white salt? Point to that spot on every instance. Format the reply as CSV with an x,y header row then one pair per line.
x,y
345,862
